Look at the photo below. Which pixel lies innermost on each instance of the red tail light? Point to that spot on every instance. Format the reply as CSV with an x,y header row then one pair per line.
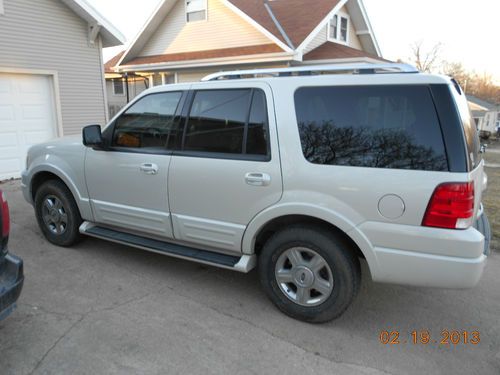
x,y
5,216
451,206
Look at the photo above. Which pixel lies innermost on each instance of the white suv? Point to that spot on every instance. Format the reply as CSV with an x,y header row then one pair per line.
x,y
301,171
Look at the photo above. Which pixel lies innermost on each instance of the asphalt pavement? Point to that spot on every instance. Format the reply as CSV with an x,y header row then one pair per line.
x,y
103,308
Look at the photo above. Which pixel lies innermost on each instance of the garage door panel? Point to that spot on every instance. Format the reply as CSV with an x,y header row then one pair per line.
x,y
33,138
5,85
33,85
34,112
9,168
26,118
6,113
8,139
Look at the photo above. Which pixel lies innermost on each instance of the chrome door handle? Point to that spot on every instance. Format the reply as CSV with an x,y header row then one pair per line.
x,y
258,179
149,168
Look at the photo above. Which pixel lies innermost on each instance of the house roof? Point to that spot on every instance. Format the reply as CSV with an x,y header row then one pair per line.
x,y
290,24
483,103
298,18
330,50
111,63
110,35
200,55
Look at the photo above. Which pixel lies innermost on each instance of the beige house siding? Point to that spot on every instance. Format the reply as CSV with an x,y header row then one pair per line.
x,y
322,36
47,35
222,29
318,40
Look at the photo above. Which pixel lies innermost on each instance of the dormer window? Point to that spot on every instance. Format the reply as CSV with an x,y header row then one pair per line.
x,y
338,28
196,10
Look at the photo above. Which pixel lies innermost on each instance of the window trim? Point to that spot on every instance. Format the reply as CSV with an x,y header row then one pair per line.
x,y
114,87
339,15
222,155
205,2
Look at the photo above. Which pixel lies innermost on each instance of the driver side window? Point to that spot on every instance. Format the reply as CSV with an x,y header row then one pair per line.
x,y
149,123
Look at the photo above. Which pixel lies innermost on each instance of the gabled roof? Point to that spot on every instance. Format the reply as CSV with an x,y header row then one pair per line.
x,y
110,35
298,18
291,24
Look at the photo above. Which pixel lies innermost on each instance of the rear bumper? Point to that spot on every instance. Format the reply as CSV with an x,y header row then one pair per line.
x,y
11,283
429,256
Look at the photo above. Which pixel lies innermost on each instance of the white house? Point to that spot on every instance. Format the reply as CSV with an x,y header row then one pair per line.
x,y
51,73
486,115
185,40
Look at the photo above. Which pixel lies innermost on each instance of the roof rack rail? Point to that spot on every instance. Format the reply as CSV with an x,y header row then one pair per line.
x,y
362,68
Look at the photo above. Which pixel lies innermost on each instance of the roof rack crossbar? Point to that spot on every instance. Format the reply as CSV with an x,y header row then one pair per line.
x,y
364,68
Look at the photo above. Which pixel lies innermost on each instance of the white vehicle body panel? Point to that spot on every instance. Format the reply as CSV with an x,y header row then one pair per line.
x,y
211,201
127,207
207,202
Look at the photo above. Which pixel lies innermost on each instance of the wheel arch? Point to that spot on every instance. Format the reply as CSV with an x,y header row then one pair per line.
x,y
273,219
41,175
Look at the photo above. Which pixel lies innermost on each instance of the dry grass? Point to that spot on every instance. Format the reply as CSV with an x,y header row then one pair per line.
x,y
491,199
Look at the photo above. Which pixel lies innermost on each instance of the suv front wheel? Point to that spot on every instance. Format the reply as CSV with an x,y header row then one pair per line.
x,y
57,213
309,273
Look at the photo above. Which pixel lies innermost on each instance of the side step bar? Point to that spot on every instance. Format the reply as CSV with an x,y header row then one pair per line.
x,y
241,264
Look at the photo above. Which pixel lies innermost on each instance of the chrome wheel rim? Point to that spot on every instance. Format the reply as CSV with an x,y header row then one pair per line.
x,y
304,276
54,215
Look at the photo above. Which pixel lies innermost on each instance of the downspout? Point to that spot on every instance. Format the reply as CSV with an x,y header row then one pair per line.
x,y
126,85
278,25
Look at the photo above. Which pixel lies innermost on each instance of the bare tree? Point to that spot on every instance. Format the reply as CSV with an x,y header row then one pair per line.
x,y
457,70
425,61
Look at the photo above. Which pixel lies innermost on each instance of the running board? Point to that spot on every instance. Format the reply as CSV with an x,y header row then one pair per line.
x,y
241,264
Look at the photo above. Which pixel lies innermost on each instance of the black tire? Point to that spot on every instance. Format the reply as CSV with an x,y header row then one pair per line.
x,y
344,265
57,189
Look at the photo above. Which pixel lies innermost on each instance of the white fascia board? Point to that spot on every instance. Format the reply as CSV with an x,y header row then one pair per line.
x,y
111,35
255,24
320,26
262,58
369,27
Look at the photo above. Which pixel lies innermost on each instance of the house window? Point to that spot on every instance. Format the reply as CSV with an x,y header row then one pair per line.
x,y
338,28
157,79
196,10
118,87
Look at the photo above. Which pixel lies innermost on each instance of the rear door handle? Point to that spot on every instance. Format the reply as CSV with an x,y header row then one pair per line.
x,y
149,168
257,179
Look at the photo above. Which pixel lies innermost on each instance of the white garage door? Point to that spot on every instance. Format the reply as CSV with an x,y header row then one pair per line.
x,y
27,117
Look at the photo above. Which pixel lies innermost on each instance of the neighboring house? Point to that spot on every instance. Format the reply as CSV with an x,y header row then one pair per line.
x,y
486,115
184,40
51,73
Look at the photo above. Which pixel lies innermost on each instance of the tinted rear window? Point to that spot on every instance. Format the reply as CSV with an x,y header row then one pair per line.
x,y
370,126
469,125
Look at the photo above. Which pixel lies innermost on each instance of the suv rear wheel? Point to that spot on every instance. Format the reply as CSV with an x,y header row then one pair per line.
x,y
57,213
309,273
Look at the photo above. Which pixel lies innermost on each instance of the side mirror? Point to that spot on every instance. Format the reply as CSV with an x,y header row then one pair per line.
x,y
92,136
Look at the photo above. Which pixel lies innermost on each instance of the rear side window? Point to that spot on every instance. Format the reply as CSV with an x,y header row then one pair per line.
x,y
227,122
370,126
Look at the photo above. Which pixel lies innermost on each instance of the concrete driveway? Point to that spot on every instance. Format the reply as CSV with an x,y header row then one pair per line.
x,y
102,308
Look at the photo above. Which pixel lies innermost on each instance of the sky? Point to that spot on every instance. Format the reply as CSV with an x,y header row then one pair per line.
x,y
468,31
